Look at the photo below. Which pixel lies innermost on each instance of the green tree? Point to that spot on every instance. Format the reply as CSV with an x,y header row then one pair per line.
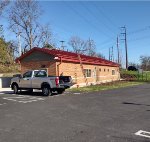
x,y
5,53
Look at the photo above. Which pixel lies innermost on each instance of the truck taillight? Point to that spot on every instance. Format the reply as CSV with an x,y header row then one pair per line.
x,y
57,81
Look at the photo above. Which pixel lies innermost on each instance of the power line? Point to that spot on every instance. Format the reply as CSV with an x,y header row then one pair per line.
x,y
87,20
130,33
98,18
105,16
110,44
106,41
139,30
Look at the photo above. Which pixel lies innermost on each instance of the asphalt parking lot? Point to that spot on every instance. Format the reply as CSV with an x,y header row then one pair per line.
x,y
108,116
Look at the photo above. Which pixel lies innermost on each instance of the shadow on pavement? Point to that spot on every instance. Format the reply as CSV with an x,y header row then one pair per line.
x,y
6,92
34,93
127,103
27,93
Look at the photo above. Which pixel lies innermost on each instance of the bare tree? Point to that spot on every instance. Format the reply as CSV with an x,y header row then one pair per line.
x,y
23,18
134,64
79,45
100,55
91,47
83,46
145,63
44,37
3,4
1,31
13,49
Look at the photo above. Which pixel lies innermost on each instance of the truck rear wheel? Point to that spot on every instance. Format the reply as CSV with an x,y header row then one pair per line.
x,y
46,91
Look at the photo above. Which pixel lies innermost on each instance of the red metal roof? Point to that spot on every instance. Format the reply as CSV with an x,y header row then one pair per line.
x,y
70,57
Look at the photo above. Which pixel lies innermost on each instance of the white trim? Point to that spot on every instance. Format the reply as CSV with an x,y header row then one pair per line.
x,y
94,76
2,104
93,83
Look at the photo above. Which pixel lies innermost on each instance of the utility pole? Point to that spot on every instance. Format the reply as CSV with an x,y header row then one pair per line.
x,y
109,54
19,44
118,50
125,41
18,34
112,53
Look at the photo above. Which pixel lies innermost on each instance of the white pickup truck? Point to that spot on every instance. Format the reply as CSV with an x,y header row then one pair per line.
x,y
38,79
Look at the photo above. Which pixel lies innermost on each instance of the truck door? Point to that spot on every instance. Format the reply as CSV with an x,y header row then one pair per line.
x,y
38,78
26,81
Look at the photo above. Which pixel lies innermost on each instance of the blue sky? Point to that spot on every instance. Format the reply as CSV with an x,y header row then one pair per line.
x,y
101,21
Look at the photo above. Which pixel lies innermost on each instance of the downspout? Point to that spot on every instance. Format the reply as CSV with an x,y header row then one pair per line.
x,y
59,65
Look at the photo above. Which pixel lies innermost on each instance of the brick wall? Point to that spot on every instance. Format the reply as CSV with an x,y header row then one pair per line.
x,y
98,73
35,65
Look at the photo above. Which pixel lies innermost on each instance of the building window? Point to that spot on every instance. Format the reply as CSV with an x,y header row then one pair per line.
x,y
108,70
113,72
100,70
104,70
87,72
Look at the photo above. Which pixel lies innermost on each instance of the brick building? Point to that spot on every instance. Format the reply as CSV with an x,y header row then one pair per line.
x,y
58,62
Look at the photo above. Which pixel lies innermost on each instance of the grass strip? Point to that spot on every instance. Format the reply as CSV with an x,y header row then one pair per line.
x,y
105,86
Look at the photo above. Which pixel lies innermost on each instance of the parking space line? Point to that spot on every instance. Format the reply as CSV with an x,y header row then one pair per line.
x,y
27,101
23,99
76,93
10,99
2,104
16,97
143,133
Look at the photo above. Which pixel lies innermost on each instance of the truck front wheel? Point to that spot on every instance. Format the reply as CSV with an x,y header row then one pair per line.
x,y
46,91
15,88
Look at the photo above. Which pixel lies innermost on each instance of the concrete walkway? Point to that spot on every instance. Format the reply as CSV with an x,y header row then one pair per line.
x,y
5,90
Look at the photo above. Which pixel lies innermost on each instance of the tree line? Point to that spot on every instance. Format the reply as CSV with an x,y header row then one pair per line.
x,y
23,20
